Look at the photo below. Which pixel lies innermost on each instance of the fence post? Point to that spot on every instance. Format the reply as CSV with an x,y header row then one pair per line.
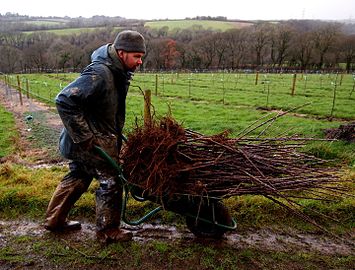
x,y
293,84
256,78
7,84
334,97
27,89
224,92
189,87
19,89
147,104
353,88
156,84
341,79
305,84
7,80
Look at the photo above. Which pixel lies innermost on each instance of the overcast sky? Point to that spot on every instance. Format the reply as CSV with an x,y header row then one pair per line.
x,y
180,9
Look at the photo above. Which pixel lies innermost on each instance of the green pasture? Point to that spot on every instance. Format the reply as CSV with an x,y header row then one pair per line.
x,y
45,22
325,96
171,24
71,31
203,24
8,133
270,91
25,190
215,102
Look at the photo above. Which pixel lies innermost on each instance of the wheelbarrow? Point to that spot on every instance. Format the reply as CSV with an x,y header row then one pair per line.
x,y
206,217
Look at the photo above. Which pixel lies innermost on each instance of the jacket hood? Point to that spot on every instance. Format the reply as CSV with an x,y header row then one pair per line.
x,y
102,56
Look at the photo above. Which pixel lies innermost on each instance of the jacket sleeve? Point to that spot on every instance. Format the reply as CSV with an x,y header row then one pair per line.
x,y
73,103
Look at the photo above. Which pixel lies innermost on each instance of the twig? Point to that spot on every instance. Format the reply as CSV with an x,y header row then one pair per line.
x,y
85,255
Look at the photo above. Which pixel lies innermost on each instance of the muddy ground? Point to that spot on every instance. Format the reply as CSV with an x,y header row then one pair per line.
x,y
266,239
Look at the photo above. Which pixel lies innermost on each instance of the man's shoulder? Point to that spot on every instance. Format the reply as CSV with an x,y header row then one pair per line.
x,y
98,69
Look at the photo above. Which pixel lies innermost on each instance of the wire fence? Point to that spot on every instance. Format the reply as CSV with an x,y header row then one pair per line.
x,y
42,125
332,95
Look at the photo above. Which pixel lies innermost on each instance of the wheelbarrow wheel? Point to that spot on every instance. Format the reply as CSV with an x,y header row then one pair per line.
x,y
203,229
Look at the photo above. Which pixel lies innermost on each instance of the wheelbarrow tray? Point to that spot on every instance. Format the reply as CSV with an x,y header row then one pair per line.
x,y
205,217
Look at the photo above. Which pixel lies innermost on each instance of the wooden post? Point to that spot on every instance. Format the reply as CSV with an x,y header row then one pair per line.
x,y
334,97
353,88
305,84
224,92
268,94
341,79
156,84
147,104
256,78
7,84
27,89
189,87
19,89
293,84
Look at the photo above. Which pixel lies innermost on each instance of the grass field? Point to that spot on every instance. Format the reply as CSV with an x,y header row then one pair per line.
x,y
203,24
71,31
8,133
216,101
196,101
208,103
171,24
46,22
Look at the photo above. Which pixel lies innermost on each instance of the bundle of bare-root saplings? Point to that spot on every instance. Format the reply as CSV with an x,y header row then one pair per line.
x,y
163,158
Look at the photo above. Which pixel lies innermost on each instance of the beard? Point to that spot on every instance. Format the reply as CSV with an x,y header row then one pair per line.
x,y
132,69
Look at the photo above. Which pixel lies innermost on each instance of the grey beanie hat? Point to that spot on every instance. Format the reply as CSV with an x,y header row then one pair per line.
x,y
130,41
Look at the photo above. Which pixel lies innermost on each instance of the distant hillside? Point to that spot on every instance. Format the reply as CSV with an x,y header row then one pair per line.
x,y
10,23
19,23
197,24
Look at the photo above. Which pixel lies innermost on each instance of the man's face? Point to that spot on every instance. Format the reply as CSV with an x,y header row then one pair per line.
x,y
131,60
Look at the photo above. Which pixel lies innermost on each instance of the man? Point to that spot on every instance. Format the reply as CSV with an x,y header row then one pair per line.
x,y
92,109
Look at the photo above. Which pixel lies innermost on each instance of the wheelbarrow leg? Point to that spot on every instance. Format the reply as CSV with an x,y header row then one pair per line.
x,y
211,221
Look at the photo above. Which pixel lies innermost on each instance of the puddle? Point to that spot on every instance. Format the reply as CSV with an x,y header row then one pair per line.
x,y
261,239
47,165
269,240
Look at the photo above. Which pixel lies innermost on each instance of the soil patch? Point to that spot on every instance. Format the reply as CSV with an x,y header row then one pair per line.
x,y
39,127
264,239
344,132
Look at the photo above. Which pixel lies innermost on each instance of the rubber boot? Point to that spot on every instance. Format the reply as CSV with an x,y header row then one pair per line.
x,y
66,194
108,213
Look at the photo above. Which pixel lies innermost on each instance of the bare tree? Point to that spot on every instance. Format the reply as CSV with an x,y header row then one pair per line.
x,y
347,49
280,42
220,48
155,60
9,59
302,49
205,48
236,46
61,54
324,38
182,60
259,39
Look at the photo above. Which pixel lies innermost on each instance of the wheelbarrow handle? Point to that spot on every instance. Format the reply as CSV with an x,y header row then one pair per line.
x,y
98,150
124,138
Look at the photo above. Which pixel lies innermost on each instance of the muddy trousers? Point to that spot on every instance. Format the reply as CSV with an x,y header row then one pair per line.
x,y
70,189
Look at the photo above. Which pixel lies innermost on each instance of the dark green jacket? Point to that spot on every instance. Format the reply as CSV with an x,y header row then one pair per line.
x,y
95,103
